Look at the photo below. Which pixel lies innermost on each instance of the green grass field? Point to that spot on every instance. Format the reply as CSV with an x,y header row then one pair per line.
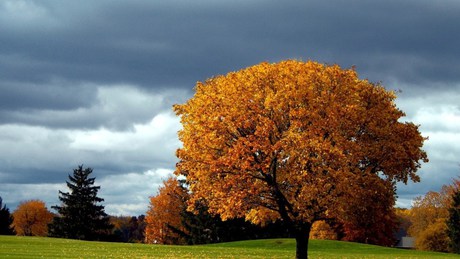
x,y
36,247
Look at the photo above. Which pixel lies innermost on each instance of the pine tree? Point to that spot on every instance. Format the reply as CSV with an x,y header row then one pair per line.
x,y
453,222
5,220
80,216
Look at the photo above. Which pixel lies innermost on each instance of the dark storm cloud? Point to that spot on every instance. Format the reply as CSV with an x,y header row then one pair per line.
x,y
159,44
53,95
33,176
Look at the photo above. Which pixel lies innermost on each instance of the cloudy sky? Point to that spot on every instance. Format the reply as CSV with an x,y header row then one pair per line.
x,y
93,82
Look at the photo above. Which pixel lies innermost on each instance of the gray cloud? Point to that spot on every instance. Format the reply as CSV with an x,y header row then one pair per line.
x,y
41,155
176,43
84,106
54,95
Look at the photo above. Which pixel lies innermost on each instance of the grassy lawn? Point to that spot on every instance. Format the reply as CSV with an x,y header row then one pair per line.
x,y
35,247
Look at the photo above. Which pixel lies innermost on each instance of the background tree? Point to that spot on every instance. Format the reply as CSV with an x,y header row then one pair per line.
x,y
291,141
428,216
31,218
128,229
164,222
137,228
453,221
322,230
6,220
80,215
121,228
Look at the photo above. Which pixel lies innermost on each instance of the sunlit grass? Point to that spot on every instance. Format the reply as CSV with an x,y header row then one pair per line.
x,y
36,247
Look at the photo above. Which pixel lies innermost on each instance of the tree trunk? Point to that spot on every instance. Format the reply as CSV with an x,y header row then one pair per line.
x,y
301,238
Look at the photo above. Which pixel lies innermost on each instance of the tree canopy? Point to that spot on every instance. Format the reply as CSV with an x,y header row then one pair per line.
x,y
31,218
433,219
428,215
293,141
164,222
80,214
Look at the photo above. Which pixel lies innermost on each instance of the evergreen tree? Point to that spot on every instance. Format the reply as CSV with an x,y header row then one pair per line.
x,y
453,222
80,216
5,220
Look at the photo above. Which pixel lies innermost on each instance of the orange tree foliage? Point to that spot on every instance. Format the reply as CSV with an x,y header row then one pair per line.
x,y
164,221
434,237
322,230
292,140
31,218
428,217
369,215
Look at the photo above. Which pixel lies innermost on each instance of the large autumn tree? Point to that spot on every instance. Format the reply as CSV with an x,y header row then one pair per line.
x,y
31,218
80,215
293,141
